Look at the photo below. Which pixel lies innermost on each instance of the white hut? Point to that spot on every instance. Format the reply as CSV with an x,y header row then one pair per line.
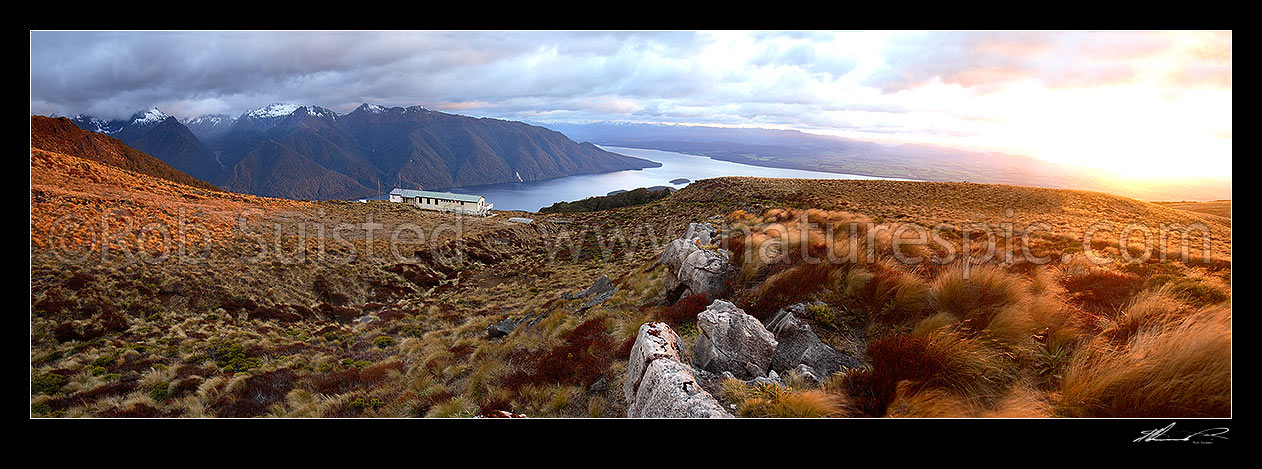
x,y
443,201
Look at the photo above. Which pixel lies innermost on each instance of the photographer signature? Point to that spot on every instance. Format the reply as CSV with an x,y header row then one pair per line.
x,y
1164,434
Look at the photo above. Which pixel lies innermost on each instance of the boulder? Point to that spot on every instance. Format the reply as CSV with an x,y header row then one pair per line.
x,y
658,385
654,340
711,382
692,270
702,232
599,385
507,325
798,345
807,372
602,289
502,328
771,378
732,341
669,390
676,251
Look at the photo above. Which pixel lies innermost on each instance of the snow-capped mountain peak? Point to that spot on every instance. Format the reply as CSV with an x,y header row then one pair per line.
x,y
148,116
97,125
273,111
210,125
210,119
318,111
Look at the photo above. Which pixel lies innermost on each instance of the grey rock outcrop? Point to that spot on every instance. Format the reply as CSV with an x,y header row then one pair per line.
x,y
771,378
807,372
654,340
732,341
676,251
502,328
799,345
668,390
703,232
691,269
658,385
602,289
507,325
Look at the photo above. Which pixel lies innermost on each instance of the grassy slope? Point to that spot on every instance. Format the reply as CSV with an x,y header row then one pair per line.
x,y
62,136
1220,208
229,337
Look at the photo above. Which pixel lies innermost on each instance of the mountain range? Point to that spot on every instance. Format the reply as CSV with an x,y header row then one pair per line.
x,y
310,152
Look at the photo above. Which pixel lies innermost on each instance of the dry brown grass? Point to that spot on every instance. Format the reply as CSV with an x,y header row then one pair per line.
x,y
1220,208
1173,367
1069,213
977,293
779,401
301,318
890,295
989,339
912,401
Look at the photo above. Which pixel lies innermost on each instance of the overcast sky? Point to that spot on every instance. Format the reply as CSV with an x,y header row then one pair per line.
x,y
1140,102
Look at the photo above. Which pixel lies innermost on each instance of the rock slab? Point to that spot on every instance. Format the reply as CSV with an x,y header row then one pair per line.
x,y
602,289
658,385
799,345
733,341
692,269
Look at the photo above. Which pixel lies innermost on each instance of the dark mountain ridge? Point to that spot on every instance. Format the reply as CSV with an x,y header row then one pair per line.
x,y
306,152
63,136
165,137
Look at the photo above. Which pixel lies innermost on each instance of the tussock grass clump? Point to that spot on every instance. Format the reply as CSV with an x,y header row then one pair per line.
x,y
684,311
584,354
771,400
787,287
255,395
1198,293
1033,316
940,359
1150,308
1175,367
933,323
454,407
499,400
912,401
1102,290
888,294
596,407
1023,400
976,294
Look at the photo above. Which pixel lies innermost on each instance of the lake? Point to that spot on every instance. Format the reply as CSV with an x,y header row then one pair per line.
x,y
531,196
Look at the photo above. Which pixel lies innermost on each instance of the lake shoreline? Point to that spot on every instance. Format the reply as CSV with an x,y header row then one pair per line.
x,y
531,196
775,166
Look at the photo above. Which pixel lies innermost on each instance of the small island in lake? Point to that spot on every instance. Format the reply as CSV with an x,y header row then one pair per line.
x,y
680,181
